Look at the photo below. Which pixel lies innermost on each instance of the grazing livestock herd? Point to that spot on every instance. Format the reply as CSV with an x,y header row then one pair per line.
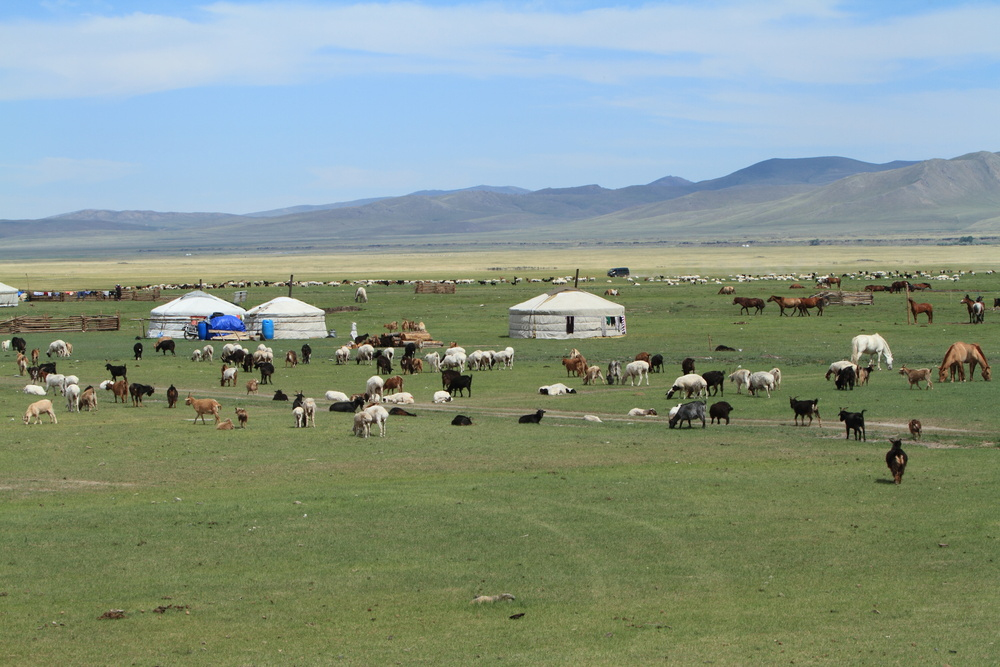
x,y
457,370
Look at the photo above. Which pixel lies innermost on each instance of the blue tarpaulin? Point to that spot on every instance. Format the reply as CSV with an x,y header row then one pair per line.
x,y
226,323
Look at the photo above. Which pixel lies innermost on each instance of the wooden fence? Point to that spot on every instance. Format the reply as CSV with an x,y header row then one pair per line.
x,y
424,287
838,298
43,323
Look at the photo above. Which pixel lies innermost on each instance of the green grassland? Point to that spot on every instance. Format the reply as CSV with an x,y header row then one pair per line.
x,y
624,542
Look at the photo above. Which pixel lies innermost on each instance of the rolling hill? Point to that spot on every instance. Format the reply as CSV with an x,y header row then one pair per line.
x,y
831,198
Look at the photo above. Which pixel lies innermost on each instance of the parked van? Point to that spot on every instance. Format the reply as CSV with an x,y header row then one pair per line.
x,y
620,272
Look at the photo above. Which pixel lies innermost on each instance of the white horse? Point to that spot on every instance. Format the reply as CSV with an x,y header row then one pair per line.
x,y
874,345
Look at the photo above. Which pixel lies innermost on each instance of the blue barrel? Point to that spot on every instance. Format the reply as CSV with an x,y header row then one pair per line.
x,y
267,329
203,330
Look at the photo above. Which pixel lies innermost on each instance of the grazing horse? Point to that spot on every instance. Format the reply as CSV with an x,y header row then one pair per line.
x,y
917,308
784,302
976,309
818,302
872,344
960,353
829,281
746,303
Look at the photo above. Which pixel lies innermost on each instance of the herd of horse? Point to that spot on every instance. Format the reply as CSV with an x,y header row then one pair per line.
x,y
801,306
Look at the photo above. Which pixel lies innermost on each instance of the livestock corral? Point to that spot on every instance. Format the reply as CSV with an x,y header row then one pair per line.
x,y
137,532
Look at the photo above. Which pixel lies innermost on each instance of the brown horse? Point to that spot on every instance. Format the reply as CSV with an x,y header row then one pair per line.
x,y
747,302
917,308
960,353
792,303
818,302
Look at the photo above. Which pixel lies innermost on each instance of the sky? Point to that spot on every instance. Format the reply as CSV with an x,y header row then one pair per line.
x,y
243,106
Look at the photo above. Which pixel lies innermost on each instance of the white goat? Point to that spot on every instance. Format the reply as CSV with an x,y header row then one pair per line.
x,y
433,361
72,393
761,380
741,377
373,388
636,369
365,353
379,416
642,412
34,390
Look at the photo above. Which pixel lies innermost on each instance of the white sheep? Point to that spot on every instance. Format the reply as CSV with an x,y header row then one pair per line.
x,y
433,360
504,357
760,380
69,379
196,355
454,349
54,381
636,369
642,412
379,416
557,389
838,366
60,348
776,372
691,384
342,355
456,360
300,416
34,390
309,405
363,424
207,353
373,388
365,353
442,397
335,396
402,398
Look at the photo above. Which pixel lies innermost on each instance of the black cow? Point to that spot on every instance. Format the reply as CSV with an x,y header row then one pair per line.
x,y
460,384
854,421
137,351
531,419
719,411
137,391
461,420
164,345
687,412
116,371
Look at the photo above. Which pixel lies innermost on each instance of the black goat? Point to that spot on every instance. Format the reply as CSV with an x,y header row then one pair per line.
x,y
805,408
460,384
137,351
462,420
656,363
306,353
716,380
687,366
846,378
165,345
116,371
896,459
719,411
531,419
137,391
279,396
172,396
266,369
348,406
854,421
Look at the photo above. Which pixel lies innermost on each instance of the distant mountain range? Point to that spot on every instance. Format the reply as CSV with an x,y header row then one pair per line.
x,y
828,198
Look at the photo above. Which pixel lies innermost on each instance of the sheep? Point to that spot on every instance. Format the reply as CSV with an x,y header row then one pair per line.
x,y
242,416
836,367
363,424
531,419
18,344
719,411
687,366
915,375
741,377
480,599
69,379
456,361
207,353
400,412
196,355
442,397
854,421
88,399
687,412
557,389
715,382
54,381
776,373
60,348
373,388
300,416
593,418
636,369
72,394
916,428
309,405
365,353
22,364
252,386
5,345
642,412
202,407
37,409
691,384
164,345
342,355
454,349
402,398
266,369
656,363
34,390
505,357
383,364
379,416
361,295
334,396
761,380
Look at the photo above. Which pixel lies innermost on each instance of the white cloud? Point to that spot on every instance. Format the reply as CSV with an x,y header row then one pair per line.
x,y
277,43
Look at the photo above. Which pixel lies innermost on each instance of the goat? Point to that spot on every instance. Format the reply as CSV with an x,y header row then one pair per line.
x,y
137,391
196,355
291,359
411,365
120,390
348,406
400,412
531,419
719,411
461,420
202,407
342,355
636,369
266,369
557,389
242,416
656,363
687,412
846,378
741,377
19,344
207,353
374,387
172,396
460,384
854,421
687,366
336,396
165,345
442,397
252,387
402,398
306,353
761,380
34,390
226,425
228,376
137,351
37,409
60,348
805,408
896,460
915,375
916,428
593,373
72,394
88,399
383,364
365,353
715,383
614,371
575,365
279,396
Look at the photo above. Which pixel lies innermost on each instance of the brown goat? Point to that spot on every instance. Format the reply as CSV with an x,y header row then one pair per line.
x,y
252,387
291,359
226,425
916,429
915,375
202,407
242,417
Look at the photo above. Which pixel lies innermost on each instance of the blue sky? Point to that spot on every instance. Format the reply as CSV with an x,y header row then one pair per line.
x,y
248,106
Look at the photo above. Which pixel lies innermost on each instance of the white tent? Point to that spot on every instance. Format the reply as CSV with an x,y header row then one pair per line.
x,y
291,318
566,313
8,295
171,318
